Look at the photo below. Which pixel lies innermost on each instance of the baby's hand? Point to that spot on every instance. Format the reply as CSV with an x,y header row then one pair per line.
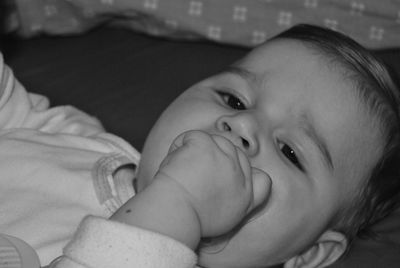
x,y
216,180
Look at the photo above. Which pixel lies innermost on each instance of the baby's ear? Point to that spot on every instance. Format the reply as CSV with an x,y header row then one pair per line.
x,y
325,251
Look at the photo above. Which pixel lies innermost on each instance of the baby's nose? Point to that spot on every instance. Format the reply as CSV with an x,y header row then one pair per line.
x,y
240,131
244,142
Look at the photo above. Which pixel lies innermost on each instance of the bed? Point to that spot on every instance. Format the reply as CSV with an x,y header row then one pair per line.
x,y
126,73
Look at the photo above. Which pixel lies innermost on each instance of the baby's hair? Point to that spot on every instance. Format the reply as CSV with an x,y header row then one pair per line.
x,y
378,196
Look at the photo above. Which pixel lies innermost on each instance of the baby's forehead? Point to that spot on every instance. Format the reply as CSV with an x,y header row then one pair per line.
x,y
283,45
282,51
308,58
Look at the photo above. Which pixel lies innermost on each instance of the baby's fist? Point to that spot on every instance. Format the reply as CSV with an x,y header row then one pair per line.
x,y
216,179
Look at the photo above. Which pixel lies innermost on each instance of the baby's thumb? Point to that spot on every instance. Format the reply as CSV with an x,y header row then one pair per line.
x,y
261,187
177,143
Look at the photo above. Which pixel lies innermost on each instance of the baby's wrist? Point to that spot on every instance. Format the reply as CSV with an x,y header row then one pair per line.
x,y
182,215
162,208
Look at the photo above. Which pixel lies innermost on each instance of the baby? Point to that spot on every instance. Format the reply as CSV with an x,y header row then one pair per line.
x,y
283,158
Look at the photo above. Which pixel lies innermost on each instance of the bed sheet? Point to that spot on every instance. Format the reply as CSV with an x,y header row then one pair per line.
x,y
240,22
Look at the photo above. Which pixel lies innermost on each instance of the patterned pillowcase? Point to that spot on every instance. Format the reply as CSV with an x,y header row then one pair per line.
x,y
375,24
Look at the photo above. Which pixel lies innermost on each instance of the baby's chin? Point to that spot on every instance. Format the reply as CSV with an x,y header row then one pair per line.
x,y
215,254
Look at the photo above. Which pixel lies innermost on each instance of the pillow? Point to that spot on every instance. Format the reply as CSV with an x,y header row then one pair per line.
x,y
374,24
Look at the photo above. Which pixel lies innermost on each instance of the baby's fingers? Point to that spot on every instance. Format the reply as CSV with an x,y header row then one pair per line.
x,y
225,146
192,136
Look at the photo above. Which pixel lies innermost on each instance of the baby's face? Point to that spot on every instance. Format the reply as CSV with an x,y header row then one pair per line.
x,y
297,119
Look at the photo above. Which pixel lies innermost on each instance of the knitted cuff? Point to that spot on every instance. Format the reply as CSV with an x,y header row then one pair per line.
x,y
15,253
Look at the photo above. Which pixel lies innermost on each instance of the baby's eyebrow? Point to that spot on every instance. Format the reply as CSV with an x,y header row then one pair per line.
x,y
243,73
311,132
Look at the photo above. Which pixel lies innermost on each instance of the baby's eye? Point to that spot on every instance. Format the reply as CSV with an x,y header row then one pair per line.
x,y
231,100
290,154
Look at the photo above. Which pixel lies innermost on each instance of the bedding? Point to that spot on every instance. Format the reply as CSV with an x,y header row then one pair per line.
x,y
375,24
126,79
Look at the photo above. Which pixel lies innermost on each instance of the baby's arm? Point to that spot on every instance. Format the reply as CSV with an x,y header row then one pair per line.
x,y
20,109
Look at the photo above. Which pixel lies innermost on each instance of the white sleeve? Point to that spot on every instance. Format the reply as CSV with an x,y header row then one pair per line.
x,y
20,109
104,243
